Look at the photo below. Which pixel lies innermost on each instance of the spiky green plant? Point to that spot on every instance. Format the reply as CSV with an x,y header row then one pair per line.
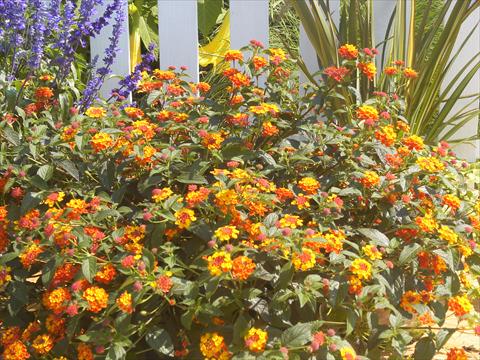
x,y
427,47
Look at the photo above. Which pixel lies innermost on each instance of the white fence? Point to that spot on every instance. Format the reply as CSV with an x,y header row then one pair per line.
x,y
178,32
249,19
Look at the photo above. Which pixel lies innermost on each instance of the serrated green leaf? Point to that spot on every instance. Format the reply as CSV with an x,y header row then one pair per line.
x,y
89,268
160,341
297,335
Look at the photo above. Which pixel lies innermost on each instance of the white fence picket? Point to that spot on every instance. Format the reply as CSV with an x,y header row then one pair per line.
x,y
248,21
470,152
178,34
121,63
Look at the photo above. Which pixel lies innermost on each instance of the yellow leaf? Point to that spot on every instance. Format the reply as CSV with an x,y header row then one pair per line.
x,y
214,51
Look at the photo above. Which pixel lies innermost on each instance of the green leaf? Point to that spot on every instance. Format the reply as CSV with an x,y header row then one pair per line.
x,y
48,271
89,268
378,238
408,253
208,13
116,352
45,172
160,341
5,258
297,335
352,317
11,136
240,327
70,168
191,178
29,201
442,337
425,349
286,275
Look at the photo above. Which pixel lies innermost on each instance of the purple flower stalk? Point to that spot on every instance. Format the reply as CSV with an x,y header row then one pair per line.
x,y
96,80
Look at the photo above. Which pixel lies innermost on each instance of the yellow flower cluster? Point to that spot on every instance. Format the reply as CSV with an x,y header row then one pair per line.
x,y
304,260
96,297
256,339
226,233
361,268
430,164
219,262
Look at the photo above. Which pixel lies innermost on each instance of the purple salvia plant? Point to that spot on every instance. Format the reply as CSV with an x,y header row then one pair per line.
x,y
14,25
97,79
37,33
130,82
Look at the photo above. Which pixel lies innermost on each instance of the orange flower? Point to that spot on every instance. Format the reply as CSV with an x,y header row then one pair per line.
x,y
232,55
372,252
256,339
427,223
460,305
95,112
367,112
203,87
212,346
164,283
242,267
277,55
259,62
451,201
347,353
354,285
264,108
368,69
9,335
410,298
414,142
42,344
390,70
133,112
430,164
238,80
30,255
164,74
370,179
226,233
106,274
96,297
184,217
55,325
268,129
290,221
43,94
84,352
124,302
336,73
56,300
304,260
158,195
16,351
410,73
101,141
348,51
283,194
309,185
386,135
213,141
219,262
457,354
361,268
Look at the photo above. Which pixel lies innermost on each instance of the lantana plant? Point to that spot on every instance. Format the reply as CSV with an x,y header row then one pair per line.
x,y
279,223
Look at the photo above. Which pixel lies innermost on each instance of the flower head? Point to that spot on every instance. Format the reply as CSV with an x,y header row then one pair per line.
x,y
256,339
